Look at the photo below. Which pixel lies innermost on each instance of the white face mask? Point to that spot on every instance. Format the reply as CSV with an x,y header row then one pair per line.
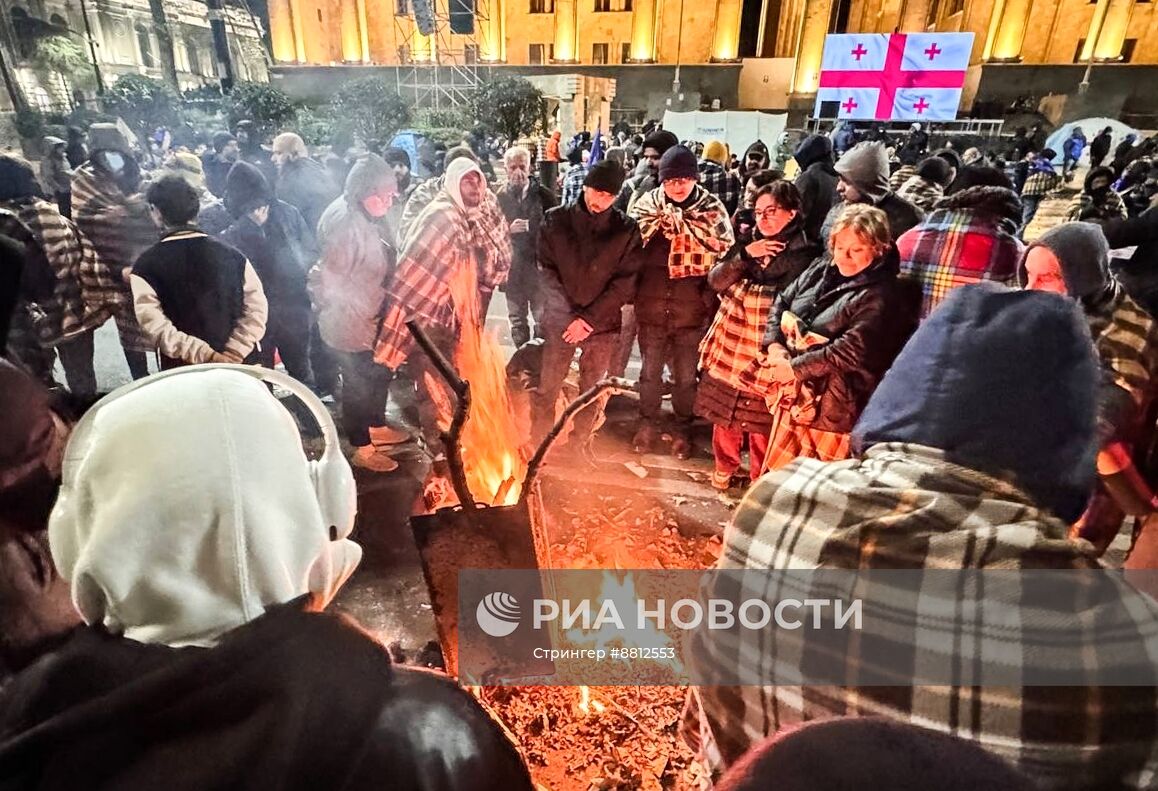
x,y
115,160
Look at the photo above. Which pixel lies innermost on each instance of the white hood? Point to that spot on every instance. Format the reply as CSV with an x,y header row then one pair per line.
x,y
189,509
454,175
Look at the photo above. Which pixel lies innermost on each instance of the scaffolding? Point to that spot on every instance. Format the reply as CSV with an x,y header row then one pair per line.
x,y
443,70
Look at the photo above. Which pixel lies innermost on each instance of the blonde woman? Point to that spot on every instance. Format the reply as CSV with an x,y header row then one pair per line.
x,y
832,334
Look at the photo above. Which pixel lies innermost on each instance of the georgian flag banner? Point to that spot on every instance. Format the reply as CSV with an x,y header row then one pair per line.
x,y
897,77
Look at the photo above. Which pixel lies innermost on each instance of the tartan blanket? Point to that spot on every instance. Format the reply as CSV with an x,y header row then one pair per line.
x,y
1085,207
86,289
699,234
906,507
1126,338
440,243
732,343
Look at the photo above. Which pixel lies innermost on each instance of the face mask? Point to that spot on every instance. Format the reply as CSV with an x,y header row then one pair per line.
x,y
376,206
115,160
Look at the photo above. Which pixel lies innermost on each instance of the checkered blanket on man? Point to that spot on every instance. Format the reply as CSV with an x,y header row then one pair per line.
x,y
921,193
572,185
699,234
120,228
442,240
732,344
906,507
1086,207
85,290
724,184
968,238
1126,338
1040,183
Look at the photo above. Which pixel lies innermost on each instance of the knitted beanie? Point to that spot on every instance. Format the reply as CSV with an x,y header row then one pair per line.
x,y
678,162
605,176
717,152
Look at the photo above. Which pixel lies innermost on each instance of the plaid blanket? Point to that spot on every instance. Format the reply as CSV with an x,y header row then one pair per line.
x,y
968,238
572,185
441,242
120,228
1084,207
85,291
732,343
724,184
922,194
902,174
1126,338
905,507
1040,183
699,234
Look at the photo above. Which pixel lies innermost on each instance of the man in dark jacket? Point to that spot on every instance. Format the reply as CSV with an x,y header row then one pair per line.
x,y
864,178
217,162
1138,273
301,182
1100,147
816,182
282,248
524,201
756,158
589,259
685,230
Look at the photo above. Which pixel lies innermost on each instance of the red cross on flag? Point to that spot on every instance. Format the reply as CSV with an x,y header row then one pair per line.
x,y
897,77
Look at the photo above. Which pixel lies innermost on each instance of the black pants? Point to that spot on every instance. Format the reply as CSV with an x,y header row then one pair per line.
x,y
323,362
523,299
64,203
76,357
138,363
288,333
365,385
678,349
626,342
557,355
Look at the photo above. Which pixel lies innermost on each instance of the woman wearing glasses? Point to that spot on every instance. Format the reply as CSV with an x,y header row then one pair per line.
x,y
766,258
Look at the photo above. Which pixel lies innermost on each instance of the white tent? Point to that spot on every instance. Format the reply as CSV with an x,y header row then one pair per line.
x,y
739,129
1091,128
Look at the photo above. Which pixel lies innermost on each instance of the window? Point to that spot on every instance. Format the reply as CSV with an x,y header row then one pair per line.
x,y
542,6
1078,50
145,42
194,57
401,8
625,52
602,5
599,53
1128,49
537,54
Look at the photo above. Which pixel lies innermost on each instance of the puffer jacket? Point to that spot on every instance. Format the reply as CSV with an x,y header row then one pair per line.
x,y
866,318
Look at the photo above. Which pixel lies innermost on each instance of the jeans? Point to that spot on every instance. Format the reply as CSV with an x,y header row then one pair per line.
x,y
76,357
727,444
523,298
289,335
1029,206
365,385
678,349
557,355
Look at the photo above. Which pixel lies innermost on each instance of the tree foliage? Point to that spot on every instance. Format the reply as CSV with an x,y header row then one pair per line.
x,y
143,102
270,108
369,109
510,106
60,54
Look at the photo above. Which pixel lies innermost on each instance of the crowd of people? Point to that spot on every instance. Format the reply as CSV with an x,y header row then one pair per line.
x,y
899,376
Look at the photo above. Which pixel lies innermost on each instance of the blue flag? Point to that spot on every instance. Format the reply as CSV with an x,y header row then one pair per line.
x,y
596,147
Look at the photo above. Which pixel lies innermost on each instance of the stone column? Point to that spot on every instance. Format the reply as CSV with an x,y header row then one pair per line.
x,y
566,32
644,23
726,44
492,41
1095,28
351,34
810,46
1113,32
1007,30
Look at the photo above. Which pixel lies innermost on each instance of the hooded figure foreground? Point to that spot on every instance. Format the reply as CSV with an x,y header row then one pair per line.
x,y
204,636
949,477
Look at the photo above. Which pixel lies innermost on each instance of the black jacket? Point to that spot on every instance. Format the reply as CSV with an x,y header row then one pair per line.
x,y
589,265
1100,147
281,251
532,207
867,319
680,304
902,215
292,701
308,187
1139,274
816,182
775,272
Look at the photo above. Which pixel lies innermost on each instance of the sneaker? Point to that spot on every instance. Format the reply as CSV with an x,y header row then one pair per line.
x,y
681,447
370,458
644,440
721,481
388,435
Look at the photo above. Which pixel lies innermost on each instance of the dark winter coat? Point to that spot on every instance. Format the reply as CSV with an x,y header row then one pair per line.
x,y
902,215
1139,273
588,265
1100,148
532,207
281,251
867,319
679,304
816,182
308,187
776,272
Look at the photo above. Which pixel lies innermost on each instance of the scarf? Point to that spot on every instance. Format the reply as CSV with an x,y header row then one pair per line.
x,y
699,233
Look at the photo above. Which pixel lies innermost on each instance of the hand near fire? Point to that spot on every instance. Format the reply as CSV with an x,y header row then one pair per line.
x,y
577,331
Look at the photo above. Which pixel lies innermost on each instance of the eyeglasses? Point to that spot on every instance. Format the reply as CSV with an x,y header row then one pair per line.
x,y
770,212
680,182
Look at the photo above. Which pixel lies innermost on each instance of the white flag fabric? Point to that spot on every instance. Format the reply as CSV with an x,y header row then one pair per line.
x,y
937,51
926,104
854,52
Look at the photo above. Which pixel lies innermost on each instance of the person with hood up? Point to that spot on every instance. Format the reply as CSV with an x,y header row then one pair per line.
x,y
716,179
204,632
212,218
784,151
251,150
551,152
301,182
348,287
816,182
1125,153
1072,150
1138,274
110,210
83,290
831,335
199,300
1100,147
685,232
915,145
443,279
56,176
755,158
588,260
970,237
843,137
217,161
1097,201
928,184
1041,180
524,202
948,476
1073,259
863,177
765,260
280,245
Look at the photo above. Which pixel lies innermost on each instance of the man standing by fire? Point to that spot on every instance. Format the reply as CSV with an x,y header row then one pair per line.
x,y
589,258
685,229
524,201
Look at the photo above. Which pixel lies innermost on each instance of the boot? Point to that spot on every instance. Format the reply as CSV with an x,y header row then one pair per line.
x,y
644,440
